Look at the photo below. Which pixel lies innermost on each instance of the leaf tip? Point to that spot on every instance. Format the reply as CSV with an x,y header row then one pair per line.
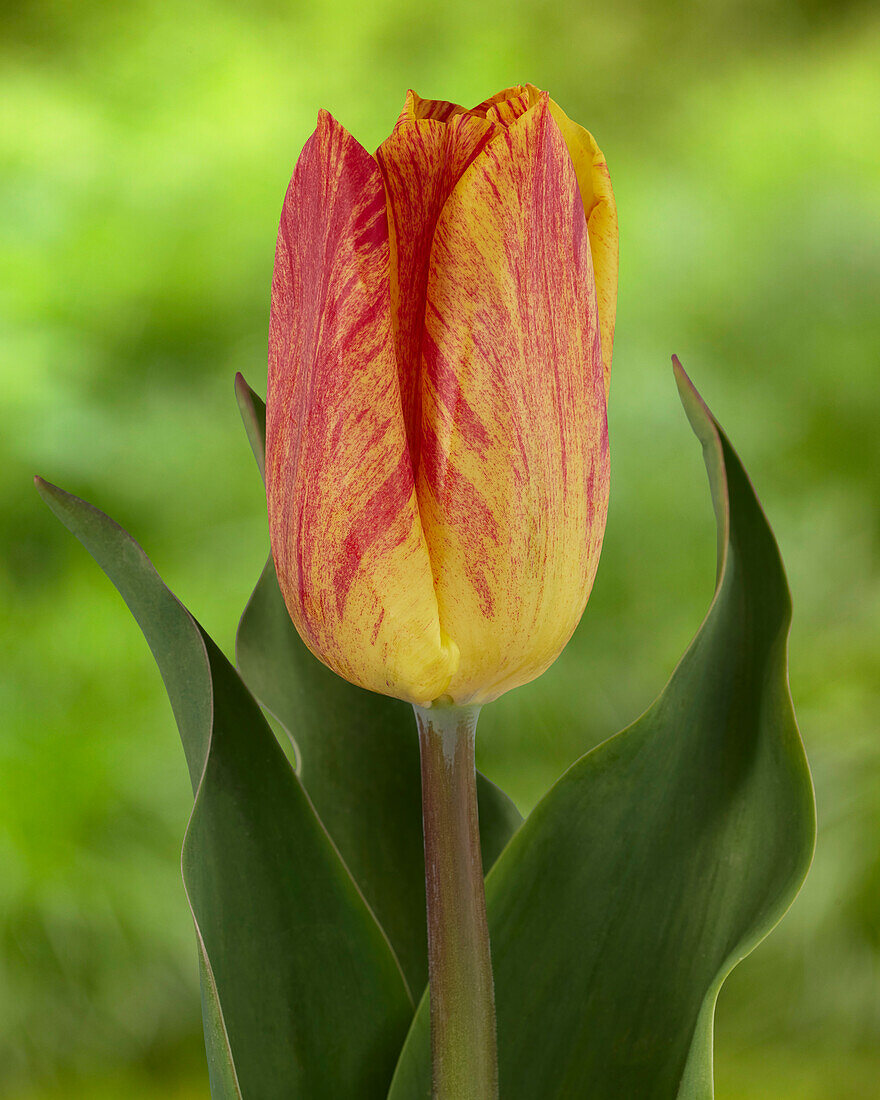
x,y
683,381
253,415
46,489
243,394
703,423
246,396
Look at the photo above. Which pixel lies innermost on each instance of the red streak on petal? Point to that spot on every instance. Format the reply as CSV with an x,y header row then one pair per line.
x,y
421,163
484,594
377,627
464,509
509,110
462,504
375,524
444,380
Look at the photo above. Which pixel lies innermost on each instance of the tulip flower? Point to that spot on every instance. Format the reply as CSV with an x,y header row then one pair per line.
x,y
439,356
437,452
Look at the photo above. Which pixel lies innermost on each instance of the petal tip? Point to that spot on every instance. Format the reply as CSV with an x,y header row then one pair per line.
x,y
408,111
325,121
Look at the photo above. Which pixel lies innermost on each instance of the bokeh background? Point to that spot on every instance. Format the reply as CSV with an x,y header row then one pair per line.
x,y
144,151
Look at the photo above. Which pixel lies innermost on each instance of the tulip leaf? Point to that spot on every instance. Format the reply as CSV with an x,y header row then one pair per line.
x,y
661,858
358,757
302,993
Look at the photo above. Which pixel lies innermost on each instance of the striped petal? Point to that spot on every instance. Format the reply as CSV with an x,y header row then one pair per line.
x,y
594,182
421,162
414,107
346,538
507,106
513,476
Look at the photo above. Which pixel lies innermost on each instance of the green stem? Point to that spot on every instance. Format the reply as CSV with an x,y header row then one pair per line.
x,y
463,1049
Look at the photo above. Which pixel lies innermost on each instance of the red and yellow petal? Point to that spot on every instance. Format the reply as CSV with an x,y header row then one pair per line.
x,y
507,106
594,182
414,108
346,537
421,162
513,476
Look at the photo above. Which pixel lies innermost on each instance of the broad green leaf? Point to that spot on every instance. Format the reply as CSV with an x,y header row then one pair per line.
x,y
661,858
358,757
302,993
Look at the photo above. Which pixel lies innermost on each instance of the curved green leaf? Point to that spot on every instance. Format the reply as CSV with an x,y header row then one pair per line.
x,y
661,858
358,756
303,995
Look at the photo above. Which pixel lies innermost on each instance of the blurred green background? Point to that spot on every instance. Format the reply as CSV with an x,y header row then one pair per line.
x,y
144,153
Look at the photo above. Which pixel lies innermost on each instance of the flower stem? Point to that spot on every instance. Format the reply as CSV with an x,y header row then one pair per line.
x,y
463,1047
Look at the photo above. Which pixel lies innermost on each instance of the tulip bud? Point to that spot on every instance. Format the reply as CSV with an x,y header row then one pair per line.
x,y
439,354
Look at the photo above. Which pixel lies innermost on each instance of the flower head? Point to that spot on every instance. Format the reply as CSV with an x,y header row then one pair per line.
x,y
439,356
